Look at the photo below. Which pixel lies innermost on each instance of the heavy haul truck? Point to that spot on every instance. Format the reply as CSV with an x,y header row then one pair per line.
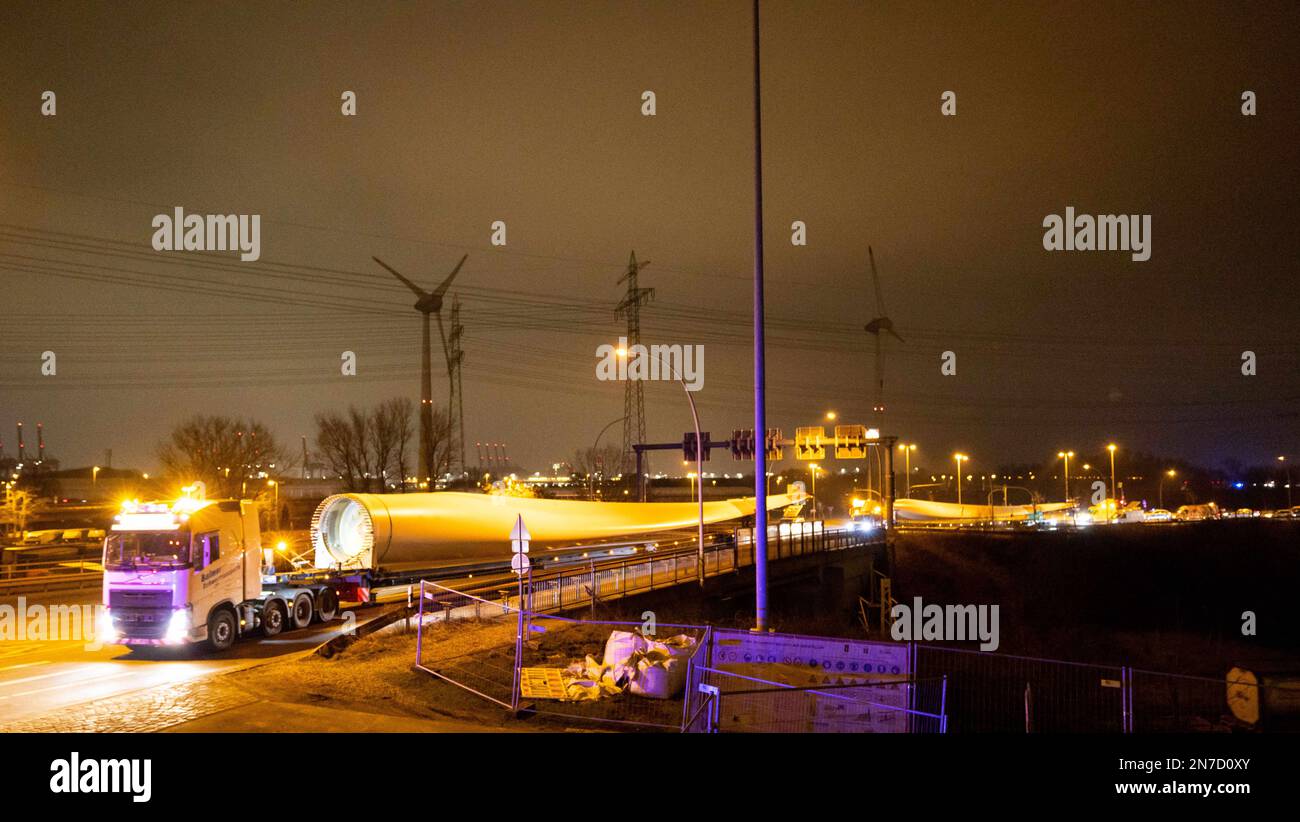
x,y
194,570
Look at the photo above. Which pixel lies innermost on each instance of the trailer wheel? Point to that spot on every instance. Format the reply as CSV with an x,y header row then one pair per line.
x,y
221,630
273,618
327,605
302,610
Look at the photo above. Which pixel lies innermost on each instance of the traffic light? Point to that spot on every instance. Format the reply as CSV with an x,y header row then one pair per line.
x,y
850,442
742,444
808,443
688,446
773,445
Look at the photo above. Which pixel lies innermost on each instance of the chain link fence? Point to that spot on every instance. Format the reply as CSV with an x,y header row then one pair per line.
x,y
469,641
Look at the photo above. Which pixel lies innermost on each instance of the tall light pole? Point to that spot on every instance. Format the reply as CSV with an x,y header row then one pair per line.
x,y
595,445
760,367
1114,492
960,458
699,462
907,450
1065,455
1170,473
94,476
1288,481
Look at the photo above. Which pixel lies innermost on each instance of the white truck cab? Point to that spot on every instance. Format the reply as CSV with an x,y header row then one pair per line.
x,y
191,570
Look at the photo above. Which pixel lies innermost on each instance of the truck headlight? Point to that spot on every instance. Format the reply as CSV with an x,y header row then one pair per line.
x,y
104,630
178,628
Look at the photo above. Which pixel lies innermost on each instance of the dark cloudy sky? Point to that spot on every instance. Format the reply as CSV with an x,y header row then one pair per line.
x,y
530,113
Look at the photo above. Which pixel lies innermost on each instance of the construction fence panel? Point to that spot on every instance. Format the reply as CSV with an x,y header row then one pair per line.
x,y
1000,693
563,665
469,641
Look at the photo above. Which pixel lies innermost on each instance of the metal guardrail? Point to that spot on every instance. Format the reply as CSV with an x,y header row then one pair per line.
x,y
17,578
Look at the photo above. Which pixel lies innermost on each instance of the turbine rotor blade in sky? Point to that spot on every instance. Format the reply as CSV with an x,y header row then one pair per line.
x,y
419,292
442,289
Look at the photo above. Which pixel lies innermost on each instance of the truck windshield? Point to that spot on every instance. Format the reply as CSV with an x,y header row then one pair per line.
x,y
130,550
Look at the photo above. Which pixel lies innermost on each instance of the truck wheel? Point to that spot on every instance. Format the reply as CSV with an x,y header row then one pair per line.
x,y
221,630
327,605
273,618
302,610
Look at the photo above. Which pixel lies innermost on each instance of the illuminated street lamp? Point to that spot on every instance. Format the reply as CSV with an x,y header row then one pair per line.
x,y
94,476
960,458
699,462
830,416
1170,473
591,493
1114,493
907,449
1288,481
1065,455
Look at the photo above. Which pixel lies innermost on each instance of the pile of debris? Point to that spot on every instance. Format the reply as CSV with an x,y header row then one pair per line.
x,y
633,663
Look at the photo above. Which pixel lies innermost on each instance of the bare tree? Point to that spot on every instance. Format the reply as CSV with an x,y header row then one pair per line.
x,y
366,448
222,452
337,448
607,460
403,417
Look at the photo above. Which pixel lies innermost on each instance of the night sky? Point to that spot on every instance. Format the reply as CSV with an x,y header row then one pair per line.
x,y
531,114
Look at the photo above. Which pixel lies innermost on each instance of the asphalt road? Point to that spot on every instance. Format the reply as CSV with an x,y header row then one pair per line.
x,y
37,676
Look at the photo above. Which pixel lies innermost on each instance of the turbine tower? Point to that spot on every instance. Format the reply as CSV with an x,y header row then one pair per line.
x,y
427,303
879,327
455,357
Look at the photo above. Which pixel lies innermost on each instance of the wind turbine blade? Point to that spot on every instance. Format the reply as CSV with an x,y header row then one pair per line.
x,y
442,289
895,333
875,281
419,292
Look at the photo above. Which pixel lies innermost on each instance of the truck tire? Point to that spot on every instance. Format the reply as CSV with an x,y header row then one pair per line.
x,y
221,630
302,610
327,605
273,618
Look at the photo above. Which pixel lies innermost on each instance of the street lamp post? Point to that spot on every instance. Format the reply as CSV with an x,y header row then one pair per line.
x,y
907,456
699,461
94,476
1065,455
1288,481
960,458
591,493
1114,493
1170,473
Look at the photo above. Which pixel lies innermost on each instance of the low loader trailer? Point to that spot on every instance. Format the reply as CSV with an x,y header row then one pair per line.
x,y
194,570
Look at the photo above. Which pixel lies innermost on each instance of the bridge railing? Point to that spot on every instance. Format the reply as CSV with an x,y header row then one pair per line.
x,y
566,586
21,578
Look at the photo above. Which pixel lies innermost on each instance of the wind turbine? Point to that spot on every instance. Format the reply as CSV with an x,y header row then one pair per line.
x,y
428,302
878,327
